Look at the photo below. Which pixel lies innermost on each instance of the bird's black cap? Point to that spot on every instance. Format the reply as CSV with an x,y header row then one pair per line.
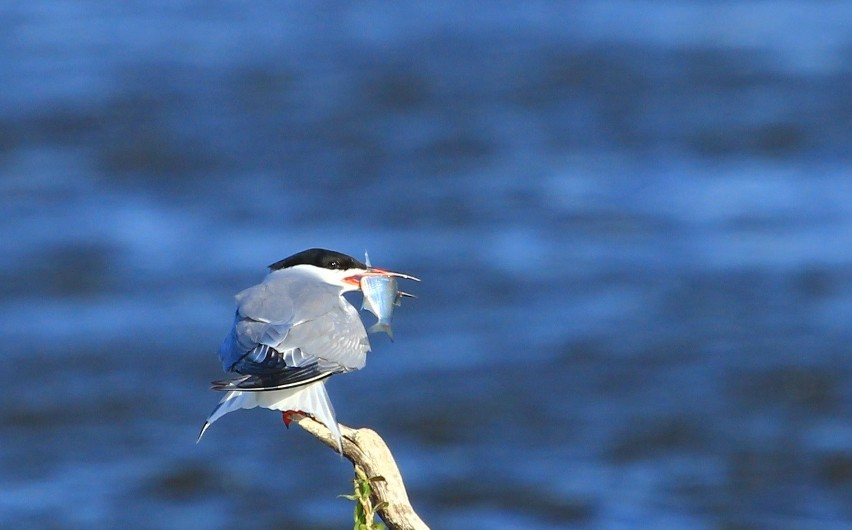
x,y
319,257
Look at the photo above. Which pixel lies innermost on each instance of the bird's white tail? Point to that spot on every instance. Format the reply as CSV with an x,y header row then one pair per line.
x,y
311,399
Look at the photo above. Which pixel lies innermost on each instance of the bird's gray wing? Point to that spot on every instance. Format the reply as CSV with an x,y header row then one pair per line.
x,y
337,339
288,331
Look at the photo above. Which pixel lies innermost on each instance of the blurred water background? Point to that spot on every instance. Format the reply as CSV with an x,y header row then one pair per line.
x,y
632,221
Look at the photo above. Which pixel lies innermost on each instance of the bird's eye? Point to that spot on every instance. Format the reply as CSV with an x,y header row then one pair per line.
x,y
334,264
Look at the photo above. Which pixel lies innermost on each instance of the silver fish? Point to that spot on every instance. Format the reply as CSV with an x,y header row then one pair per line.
x,y
381,294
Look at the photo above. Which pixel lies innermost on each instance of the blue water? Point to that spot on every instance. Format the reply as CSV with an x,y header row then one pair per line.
x,y
632,221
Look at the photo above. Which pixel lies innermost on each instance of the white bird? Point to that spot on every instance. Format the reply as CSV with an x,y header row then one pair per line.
x,y
293,331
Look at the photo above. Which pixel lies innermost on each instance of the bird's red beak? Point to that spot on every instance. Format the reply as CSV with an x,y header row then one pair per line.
x,y
375,271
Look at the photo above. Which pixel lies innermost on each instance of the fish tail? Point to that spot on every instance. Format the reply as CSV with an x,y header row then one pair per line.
x,y
382,326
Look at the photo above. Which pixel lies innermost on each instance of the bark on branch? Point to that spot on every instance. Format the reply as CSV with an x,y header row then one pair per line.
x,y
366,449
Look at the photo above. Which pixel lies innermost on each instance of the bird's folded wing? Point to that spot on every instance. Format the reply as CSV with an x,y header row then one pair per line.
x,y
336,339
288,334
266,368
263,360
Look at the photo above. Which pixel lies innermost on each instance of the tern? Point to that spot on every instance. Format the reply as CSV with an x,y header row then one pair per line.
x,y
293,331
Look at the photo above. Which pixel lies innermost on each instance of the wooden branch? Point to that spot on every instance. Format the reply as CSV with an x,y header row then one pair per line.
x,y
366,449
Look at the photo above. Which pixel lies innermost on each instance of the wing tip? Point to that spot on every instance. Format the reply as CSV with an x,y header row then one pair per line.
x,y
253,383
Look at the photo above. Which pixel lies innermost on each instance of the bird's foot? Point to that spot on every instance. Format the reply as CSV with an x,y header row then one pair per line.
x,y
287,416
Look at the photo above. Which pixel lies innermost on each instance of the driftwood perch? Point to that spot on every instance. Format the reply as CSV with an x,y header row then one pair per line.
x,y
366,450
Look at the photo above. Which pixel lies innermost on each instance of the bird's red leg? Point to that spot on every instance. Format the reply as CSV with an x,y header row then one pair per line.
x,y
287,416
